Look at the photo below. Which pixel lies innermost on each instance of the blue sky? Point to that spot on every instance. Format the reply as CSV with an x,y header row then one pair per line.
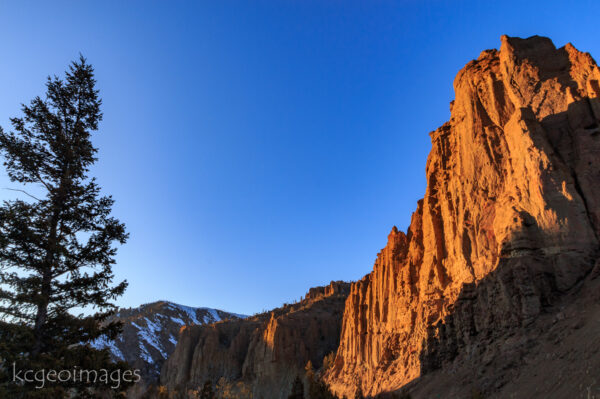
x,y
258,148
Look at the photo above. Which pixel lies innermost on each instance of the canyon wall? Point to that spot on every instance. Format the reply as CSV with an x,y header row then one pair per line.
x,y
510,219
261,355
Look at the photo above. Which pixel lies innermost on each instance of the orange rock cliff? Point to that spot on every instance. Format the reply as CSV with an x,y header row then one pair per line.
x,y
509,224
509,221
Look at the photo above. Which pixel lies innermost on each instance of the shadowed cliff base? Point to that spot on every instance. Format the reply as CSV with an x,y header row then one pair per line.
x,y
508,223
557,355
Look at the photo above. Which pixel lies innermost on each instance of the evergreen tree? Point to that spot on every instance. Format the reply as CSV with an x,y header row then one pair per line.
x,y
359,393
328,361
57,245
319,390
297,389
309,370
207,391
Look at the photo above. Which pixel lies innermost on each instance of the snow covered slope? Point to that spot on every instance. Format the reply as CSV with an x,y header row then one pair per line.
x,y
150,333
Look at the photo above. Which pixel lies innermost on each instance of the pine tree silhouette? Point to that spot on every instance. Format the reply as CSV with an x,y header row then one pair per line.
x,y
297,389
207,391
57,243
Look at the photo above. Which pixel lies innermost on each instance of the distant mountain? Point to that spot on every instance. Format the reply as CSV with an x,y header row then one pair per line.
x,y
151,331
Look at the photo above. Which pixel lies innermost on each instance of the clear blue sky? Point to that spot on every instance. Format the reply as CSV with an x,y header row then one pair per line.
x,y
258,148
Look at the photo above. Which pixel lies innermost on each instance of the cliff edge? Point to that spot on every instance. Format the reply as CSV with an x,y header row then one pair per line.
x,y
508,225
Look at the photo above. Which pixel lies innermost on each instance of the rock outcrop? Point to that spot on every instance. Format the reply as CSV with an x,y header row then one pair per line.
x,y
260,355
555,357
509,222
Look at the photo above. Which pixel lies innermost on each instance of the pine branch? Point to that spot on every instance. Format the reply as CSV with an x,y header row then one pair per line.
x,y
22,191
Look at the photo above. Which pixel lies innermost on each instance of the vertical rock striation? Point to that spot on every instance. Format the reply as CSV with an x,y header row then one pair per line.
x,y
510,219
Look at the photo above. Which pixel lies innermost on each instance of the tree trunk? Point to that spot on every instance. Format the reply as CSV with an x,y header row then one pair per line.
x,y
42,311
46,286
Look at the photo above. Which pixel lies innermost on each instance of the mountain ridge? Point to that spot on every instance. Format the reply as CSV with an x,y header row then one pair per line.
x,y
151,331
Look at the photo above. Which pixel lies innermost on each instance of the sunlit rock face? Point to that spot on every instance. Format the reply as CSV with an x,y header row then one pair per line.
x,y
510,219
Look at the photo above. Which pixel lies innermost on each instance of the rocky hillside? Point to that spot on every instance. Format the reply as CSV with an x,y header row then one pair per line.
x,y
508,228
262,354
151,331
555,357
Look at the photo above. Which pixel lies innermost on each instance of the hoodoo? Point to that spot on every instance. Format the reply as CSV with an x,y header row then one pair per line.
x,y
509,222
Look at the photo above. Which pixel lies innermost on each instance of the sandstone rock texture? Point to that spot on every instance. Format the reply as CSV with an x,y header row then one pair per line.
x,y
262,354
509,222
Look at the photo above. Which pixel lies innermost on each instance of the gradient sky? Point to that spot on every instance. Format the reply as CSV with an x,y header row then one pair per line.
x,y
258,148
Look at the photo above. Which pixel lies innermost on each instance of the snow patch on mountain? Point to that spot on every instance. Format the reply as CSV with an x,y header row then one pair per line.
x,y
145,355
151,331
150,334
104,343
